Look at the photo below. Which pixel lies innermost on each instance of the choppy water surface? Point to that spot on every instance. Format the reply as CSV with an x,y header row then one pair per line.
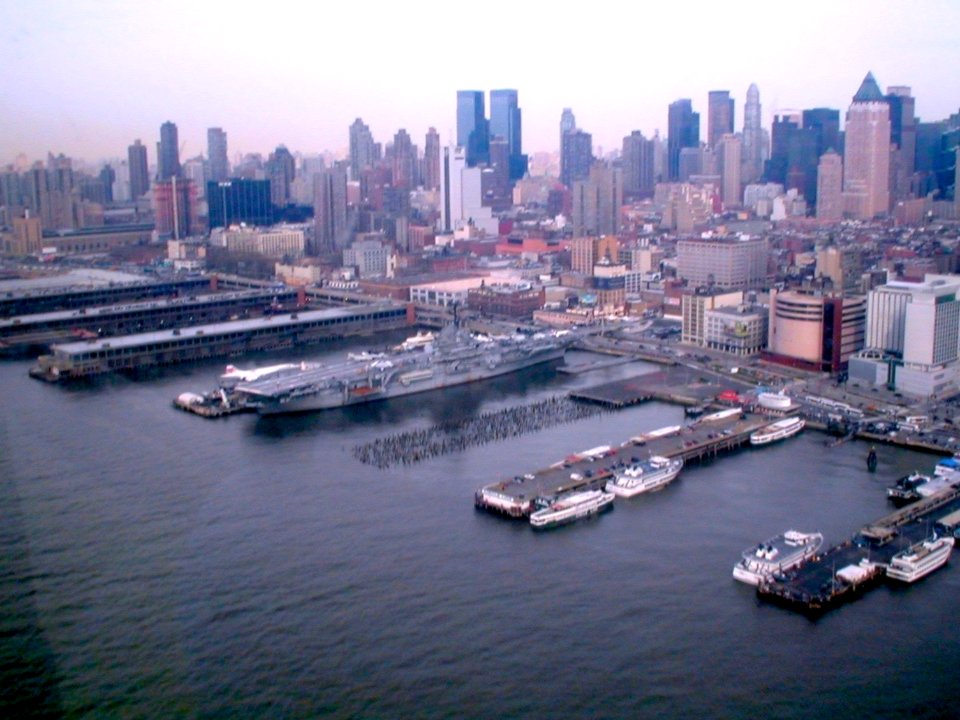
x,y
158,564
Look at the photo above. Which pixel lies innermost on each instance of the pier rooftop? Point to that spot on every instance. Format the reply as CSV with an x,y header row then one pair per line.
x,y
709,436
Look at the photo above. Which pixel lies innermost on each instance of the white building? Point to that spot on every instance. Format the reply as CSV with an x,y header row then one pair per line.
x,y
276,242
461,195
371,258
914,330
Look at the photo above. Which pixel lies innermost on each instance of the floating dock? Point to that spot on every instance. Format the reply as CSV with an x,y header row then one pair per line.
x,y
845,571
710,436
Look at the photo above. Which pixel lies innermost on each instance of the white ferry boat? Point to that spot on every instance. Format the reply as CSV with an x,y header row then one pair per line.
x,y
572,507
777,555
644,476
774,400
920,560
779,430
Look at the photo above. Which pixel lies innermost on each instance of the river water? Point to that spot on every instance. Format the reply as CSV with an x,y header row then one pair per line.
x,y
158,564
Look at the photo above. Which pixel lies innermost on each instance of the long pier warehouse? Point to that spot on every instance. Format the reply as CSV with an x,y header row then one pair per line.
x,y
92,357
35,333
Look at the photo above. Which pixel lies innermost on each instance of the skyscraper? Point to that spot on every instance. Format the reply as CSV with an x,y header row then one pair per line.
x,y
825,123
719,116
331,233
752,138
729,153
903,138
168,152
505,122
637,159
568,123
683,131
473,133
404,161
431,160
281,169
364,152
866,153
217,154
139,170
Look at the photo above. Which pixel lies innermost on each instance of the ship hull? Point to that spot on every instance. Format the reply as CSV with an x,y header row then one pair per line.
x,y
439,379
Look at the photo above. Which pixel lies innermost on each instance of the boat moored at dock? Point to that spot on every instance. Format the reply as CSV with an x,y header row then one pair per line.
x,y
644,476
572,507
920,560
776,556
780,430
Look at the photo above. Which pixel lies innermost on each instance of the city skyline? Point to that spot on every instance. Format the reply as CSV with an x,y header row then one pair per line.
x,y
87,79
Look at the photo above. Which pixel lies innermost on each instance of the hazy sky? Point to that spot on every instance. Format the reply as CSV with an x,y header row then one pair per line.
x,y
86,78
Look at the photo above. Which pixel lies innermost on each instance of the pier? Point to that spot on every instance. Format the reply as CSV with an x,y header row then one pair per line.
x,y
40,300
846,570
675,385
37,332
711,436
129,352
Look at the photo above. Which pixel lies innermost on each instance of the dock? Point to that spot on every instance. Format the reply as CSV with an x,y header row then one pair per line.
x,y
675,385
26,334
239,337
709,437
847,570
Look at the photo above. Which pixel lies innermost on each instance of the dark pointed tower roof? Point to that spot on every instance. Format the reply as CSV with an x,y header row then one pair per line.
x,y
869,91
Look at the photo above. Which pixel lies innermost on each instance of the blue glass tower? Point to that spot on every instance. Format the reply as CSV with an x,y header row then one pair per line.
x,y
472,131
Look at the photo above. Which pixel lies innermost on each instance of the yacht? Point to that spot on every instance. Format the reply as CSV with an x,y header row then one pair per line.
x,y
644,476
571,507
788,427
920,560
776,556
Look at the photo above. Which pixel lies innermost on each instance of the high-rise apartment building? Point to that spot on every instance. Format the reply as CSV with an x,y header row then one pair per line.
x,y
431,160
719,116
473,133
637,159
176,207
597,202
331,231
506,122
139,170
866,153
683,131
168,152
217,154
753,139
830,187
576,156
